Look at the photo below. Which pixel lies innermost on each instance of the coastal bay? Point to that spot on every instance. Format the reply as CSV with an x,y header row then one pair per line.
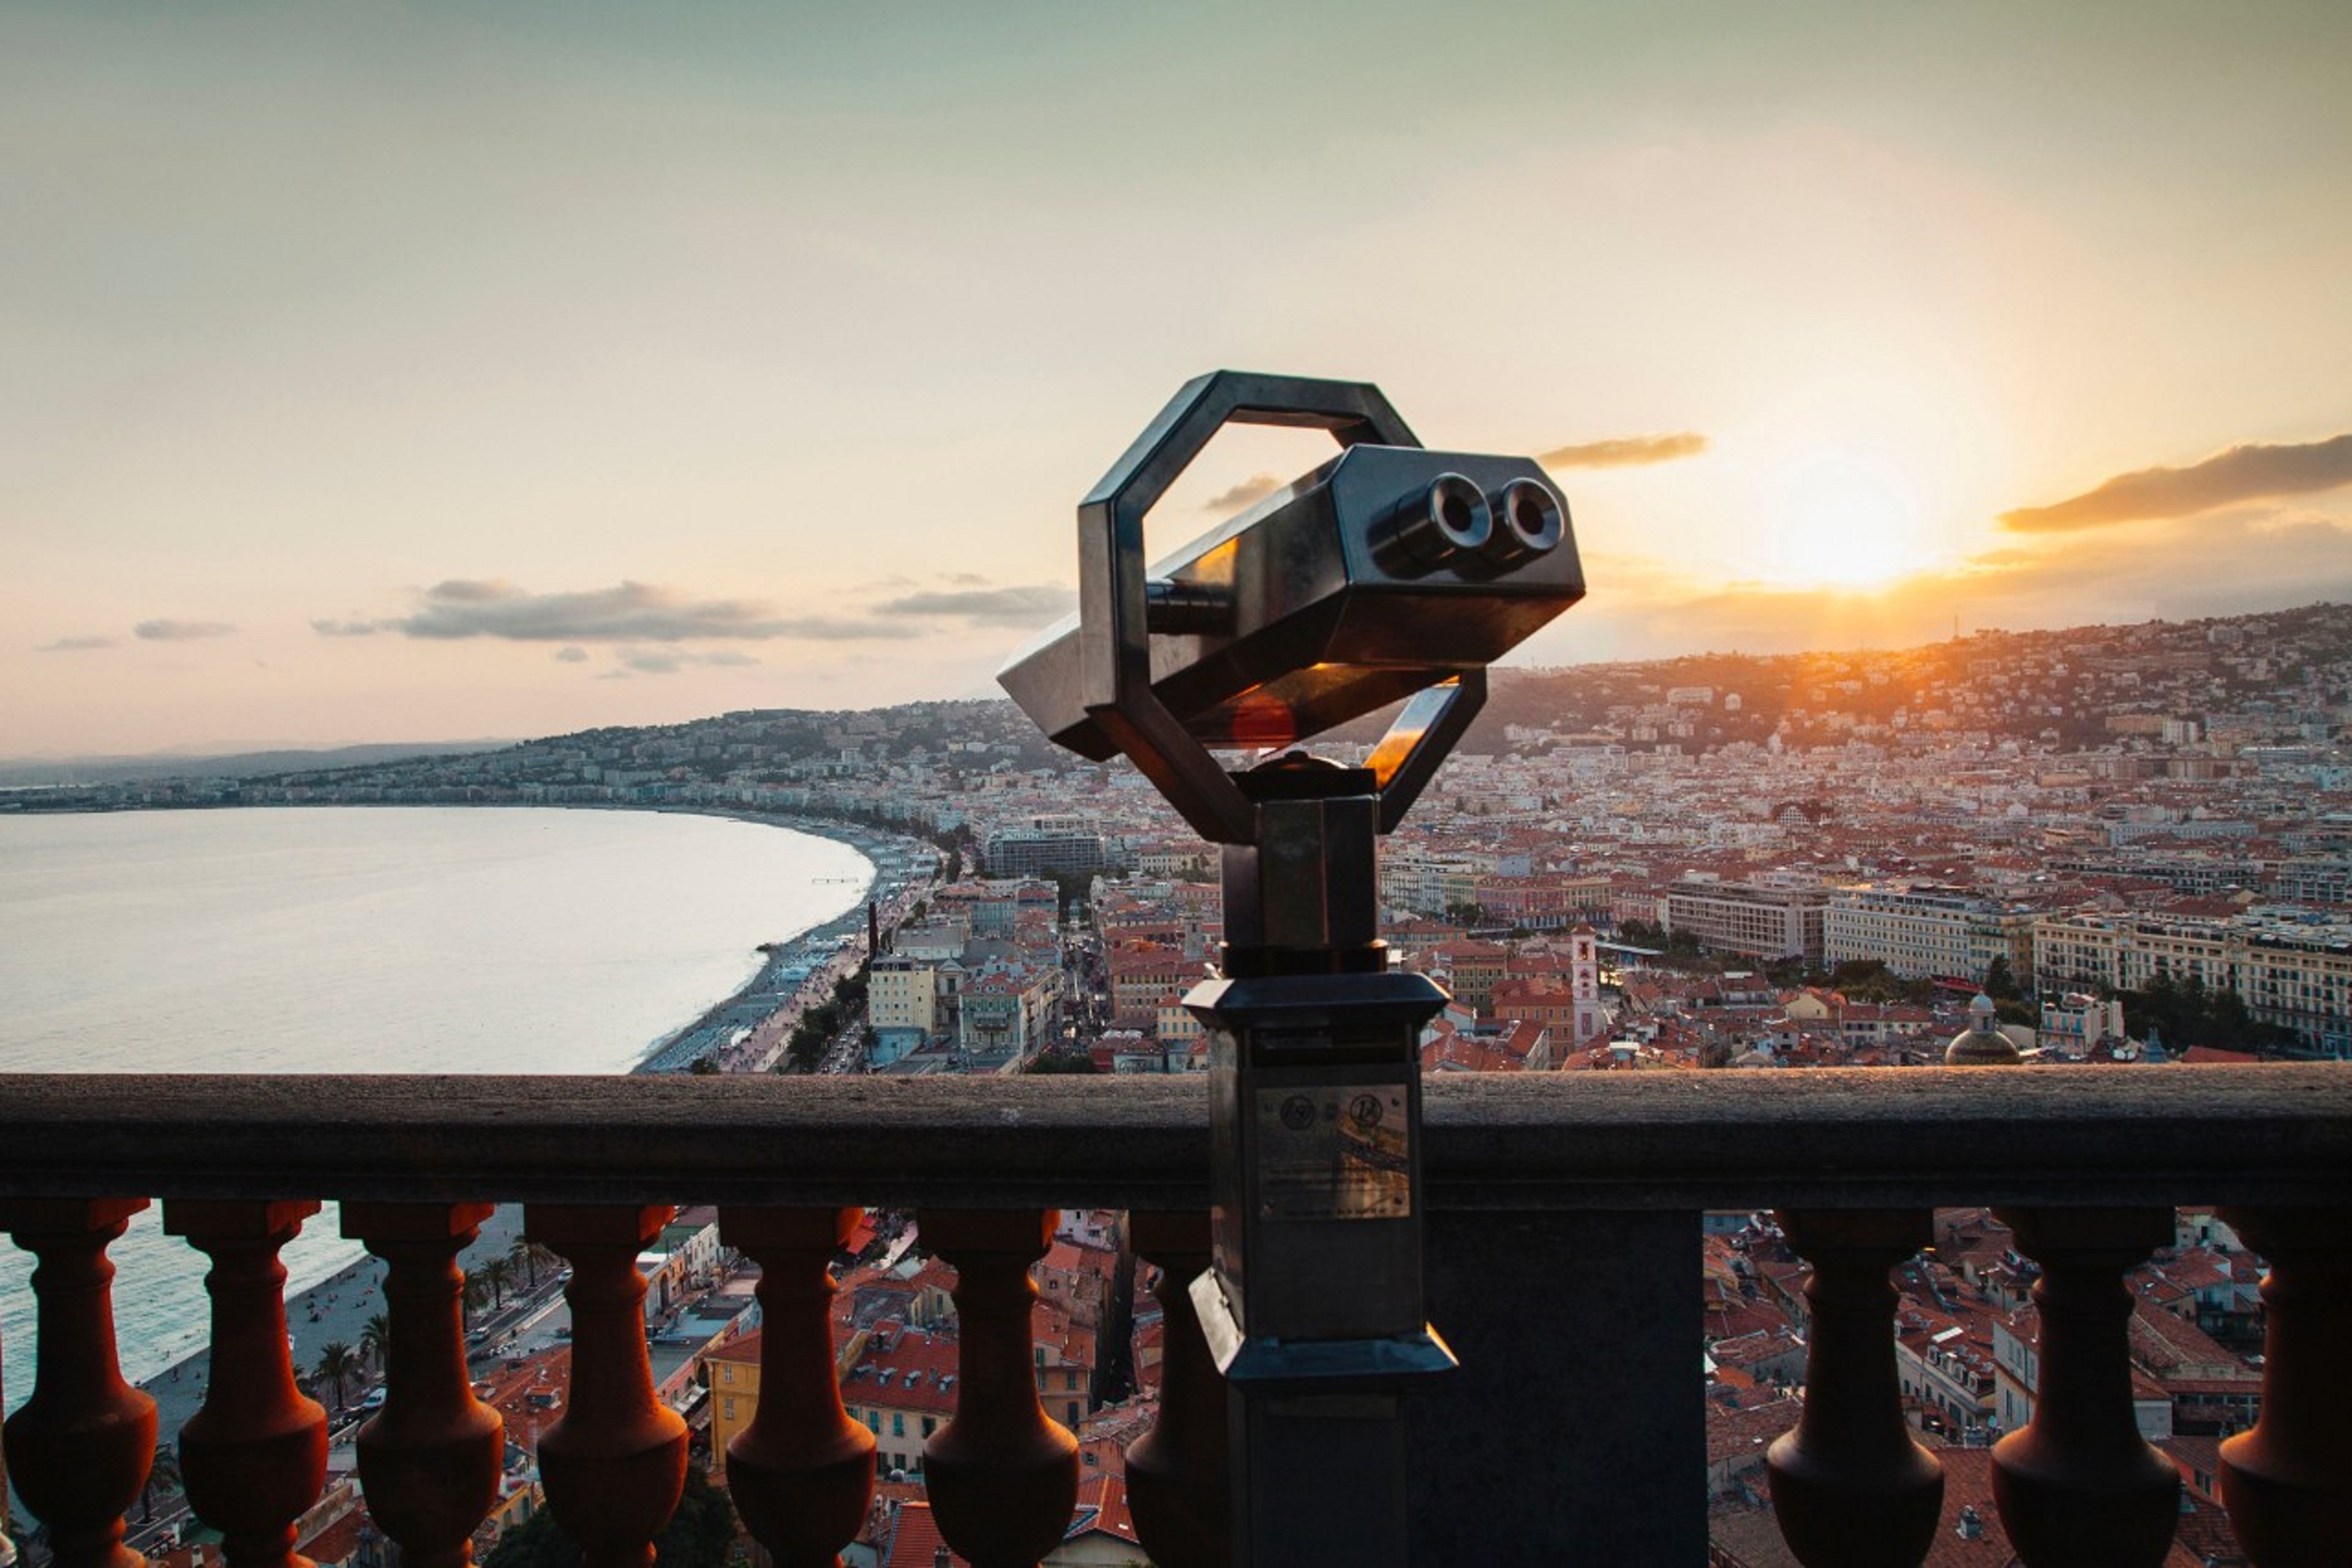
x,y
391,939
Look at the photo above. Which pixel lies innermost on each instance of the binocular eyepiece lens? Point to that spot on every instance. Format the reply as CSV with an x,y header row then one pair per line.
x,y
1448,519
1527,524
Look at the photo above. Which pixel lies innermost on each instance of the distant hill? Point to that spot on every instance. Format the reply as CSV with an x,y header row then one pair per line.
x,y
2280,673
2060,685
239,765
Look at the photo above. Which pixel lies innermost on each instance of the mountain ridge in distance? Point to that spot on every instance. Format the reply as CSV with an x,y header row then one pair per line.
x,y
42,772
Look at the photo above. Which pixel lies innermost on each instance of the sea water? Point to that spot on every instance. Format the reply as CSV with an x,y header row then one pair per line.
x,y
389,939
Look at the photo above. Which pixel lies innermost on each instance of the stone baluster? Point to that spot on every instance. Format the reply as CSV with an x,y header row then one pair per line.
x,y
1177,1482
1003,1477
255,1458
1850,1487
614,1464
2078,1483
78,1450
2288,1480
801,1474
430,1459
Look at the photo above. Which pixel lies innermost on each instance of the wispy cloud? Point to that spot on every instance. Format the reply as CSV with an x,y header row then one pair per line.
x,y
166,630
2242,473
1019,605
1626,451
75,645
631,612
627,661
645,662
1257,487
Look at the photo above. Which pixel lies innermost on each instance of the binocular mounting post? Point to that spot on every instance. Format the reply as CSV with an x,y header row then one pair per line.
x,y
1313,1307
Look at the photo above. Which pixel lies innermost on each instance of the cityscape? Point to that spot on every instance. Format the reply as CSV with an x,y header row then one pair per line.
x,y
2128,846
1662,877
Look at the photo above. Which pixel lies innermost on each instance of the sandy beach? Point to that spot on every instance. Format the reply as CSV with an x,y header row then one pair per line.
x,y
759,1016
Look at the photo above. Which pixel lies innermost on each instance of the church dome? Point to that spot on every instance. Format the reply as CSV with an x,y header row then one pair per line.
x,y
1981,1044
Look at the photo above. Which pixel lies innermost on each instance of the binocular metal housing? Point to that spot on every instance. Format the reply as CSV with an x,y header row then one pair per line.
x,y
1386,572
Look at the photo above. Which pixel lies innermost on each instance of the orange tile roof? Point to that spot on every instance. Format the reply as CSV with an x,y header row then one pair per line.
x,y
917,1542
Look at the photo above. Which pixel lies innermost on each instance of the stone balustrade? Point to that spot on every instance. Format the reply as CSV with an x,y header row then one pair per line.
x,y
1562,1243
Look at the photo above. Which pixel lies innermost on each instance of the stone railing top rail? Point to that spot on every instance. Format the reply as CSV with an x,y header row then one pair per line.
x,y
1834,1137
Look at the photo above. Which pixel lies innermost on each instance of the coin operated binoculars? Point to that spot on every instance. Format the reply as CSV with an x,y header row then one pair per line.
x,y
1389,573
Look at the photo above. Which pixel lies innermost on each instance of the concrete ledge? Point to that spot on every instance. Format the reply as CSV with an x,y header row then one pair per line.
x,y
1500,1142
1871,1137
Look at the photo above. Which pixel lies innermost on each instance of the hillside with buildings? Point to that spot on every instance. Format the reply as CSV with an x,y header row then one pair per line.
x,y
2119,846
2161,811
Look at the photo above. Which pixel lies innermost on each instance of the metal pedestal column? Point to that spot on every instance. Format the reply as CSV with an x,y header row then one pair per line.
x,y
1313,1306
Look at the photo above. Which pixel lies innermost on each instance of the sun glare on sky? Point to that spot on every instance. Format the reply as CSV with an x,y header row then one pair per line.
x,y
1846,522
507,371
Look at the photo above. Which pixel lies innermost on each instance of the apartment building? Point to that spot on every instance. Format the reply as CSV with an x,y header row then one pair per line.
x,y
1755,919
1046,844
2296,973
1010,1013
902,1006
1926,932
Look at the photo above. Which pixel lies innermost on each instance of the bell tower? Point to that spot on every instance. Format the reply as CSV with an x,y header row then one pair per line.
x,y
1584,982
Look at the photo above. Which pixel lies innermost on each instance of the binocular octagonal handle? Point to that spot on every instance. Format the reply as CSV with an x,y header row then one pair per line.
x,y
1114,637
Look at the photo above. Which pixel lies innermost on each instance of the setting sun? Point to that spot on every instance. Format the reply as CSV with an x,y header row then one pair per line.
x,y
1846,522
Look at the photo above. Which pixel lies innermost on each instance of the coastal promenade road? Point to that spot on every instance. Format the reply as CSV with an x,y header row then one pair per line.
x,y
747,1031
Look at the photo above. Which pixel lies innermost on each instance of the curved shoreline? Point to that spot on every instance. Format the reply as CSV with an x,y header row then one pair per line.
x,y
334,1295
764,991
782,981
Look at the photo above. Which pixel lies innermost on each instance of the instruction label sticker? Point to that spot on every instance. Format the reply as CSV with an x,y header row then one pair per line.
x,y
1334,1152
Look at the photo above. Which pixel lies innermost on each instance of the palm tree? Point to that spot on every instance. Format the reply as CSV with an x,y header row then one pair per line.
x,y
375,1339
477,1291
498,1273
531,1258
337,1362
163,1475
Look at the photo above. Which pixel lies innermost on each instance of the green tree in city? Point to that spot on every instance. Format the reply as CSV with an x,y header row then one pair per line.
x,y
476,1291
375,1339
163,1476
2188,1013
1999,983
700,1534
1072,889
1868,980
336,1363
531,1258
497,1273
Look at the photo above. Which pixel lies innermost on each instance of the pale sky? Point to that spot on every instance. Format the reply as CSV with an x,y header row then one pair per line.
x,y
438,370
